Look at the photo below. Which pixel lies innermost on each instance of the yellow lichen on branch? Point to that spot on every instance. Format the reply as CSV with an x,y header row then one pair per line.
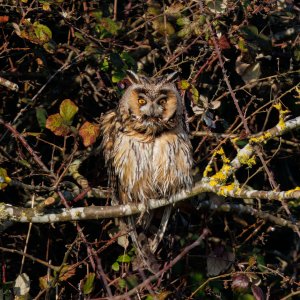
x,y
282,113
221,176
226,189
246,159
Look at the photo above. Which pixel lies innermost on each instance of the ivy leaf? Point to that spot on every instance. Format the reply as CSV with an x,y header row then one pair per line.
x,y
67,110
66,272
122,283
42,32
4,179
89,283
89,133
125,258
115,266
104,65
117,76
57,125
41,115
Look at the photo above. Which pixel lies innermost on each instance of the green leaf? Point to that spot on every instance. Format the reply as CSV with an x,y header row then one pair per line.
x,y
117,76
79,35
241,143
185,31
57,125
89,284
246,297
110,25
89,133
122,283
25,163
106,27
129,60
195,94
104,65
67,110
153,10
42,32
242,45
249,32
115,266
184,84
41,116
202,20
50,46
163,27
132,281
183,21
124,258
297,54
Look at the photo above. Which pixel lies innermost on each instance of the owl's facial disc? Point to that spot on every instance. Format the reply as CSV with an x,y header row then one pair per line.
x,y
153,109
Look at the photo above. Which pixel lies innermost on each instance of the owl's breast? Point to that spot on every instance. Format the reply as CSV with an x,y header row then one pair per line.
x,y
152,170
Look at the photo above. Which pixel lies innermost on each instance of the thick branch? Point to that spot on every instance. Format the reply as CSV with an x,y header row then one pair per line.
x,y
245,154
25,215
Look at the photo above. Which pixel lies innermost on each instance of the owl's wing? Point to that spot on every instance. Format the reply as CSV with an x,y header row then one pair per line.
x,y
108,129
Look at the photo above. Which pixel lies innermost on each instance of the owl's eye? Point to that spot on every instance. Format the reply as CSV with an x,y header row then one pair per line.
x,y
162,101
142,101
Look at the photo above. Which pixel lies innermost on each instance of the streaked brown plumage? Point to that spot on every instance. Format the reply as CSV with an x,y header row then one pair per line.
x,y
145,142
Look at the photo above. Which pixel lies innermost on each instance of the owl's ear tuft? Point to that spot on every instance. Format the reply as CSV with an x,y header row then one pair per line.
x,y
171,77
133,77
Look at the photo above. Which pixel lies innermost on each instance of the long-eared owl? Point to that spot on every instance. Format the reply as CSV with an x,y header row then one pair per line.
x,y
145,141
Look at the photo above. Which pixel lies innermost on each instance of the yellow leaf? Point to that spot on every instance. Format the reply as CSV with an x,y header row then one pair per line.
x,y
67,110
89,133
57,125
4,179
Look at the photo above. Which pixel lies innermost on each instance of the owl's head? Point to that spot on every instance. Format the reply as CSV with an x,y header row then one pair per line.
x,y
153,105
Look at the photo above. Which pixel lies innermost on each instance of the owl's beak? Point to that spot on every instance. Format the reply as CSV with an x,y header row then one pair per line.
x,y
154,111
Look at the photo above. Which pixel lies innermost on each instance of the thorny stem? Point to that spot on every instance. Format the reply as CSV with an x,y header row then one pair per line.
x,y
25,144
236,103
91,253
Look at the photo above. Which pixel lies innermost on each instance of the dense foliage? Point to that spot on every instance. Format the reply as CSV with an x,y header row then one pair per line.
x,y
63,64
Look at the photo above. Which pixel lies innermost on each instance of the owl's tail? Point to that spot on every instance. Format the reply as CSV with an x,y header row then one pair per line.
x,y
141,245
147,247
161,230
